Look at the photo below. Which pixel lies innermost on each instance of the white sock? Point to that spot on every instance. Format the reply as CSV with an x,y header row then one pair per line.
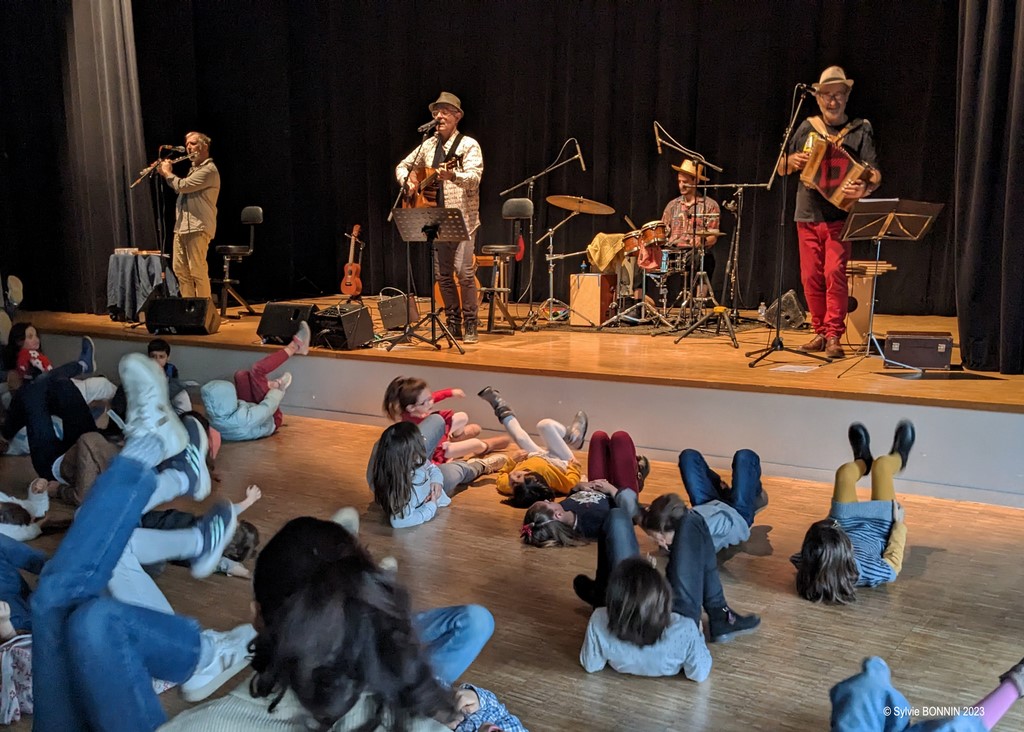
x,y
145,449
169,485
207,651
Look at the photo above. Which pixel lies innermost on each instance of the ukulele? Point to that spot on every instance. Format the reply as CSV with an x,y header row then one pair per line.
x,y
425,183
351,285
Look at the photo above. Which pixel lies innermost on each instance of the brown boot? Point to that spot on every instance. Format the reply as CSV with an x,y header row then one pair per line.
x,y
814,345
834,349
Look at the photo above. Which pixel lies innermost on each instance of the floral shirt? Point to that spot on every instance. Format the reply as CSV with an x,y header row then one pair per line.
x,y
682,218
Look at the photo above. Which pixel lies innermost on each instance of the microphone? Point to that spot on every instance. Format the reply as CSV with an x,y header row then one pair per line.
x,y
580,155
657,138
806,88
175,148
428,126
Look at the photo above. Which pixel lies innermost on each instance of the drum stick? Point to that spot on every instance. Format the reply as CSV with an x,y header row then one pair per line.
x,y
632,226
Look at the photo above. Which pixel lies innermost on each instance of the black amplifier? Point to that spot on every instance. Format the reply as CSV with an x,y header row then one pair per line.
x,y
347,326
920,349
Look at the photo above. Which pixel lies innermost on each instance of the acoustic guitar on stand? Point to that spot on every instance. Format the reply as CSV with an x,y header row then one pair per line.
x,y
351,285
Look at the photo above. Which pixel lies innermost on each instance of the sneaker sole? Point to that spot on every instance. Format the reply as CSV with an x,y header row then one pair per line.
x,y
735,634
205,482
198,694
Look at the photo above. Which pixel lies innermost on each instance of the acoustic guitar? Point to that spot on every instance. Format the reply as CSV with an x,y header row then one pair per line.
x,y
351,285
425,183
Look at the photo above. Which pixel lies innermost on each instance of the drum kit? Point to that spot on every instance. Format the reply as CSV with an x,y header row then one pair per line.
x,y
646,251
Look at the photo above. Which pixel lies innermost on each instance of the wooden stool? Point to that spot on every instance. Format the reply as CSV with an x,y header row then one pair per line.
x,y
500,286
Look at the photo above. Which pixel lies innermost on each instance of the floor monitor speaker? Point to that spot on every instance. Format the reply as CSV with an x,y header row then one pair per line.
x,y
281,320
182,316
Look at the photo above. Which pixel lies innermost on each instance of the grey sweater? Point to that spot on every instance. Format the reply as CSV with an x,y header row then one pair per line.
x,y
680,648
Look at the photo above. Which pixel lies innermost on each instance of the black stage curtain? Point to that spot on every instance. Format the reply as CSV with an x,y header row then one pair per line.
x,y
311,104
990,186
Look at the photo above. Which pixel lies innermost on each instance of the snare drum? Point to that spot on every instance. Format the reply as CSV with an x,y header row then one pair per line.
x,y
674,259
654,232
631,242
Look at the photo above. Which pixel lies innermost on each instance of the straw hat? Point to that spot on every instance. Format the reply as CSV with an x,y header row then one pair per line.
x,y
447,98
833,76
688,167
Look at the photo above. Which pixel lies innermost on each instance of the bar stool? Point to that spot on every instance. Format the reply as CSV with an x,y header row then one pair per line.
x,y
501,286
251,216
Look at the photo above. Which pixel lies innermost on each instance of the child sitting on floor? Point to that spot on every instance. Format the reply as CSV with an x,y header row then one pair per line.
x,y
160,351
248,409
407,399
861,543
408,486
24,358
538,474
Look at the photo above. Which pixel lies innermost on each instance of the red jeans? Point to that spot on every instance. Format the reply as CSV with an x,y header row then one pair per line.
x,y
823,258
252,386
614,459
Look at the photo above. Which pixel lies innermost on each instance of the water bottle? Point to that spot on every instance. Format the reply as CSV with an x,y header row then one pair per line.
x,y
762,311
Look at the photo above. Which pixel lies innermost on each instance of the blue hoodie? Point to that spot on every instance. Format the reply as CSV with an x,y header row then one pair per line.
x,y
237,420
859,704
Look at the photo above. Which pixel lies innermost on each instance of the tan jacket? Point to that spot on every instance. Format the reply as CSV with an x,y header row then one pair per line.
x,y
196,209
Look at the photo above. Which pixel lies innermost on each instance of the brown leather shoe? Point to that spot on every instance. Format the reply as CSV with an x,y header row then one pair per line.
x,y
814,345
833,349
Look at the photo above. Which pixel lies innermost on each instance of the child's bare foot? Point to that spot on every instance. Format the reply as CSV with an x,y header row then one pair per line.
x,y
6,629
470,430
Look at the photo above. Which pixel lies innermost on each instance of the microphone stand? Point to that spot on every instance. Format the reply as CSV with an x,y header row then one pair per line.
x,y
532,316
778,345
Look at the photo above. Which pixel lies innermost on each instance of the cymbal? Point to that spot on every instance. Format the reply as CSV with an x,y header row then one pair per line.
x,y
580,205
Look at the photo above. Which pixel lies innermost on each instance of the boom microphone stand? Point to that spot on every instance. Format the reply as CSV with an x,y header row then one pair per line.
x,y
777,345
530,323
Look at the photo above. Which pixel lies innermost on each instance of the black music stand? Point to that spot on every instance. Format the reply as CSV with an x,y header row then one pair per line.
x,y
876,219
430,225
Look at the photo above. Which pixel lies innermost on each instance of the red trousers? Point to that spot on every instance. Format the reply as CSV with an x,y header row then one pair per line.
x,y
614,459
252,386
823,258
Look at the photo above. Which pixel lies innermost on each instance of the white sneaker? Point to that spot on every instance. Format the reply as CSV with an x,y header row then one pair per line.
x,y
302,338
149,408
284,381
348,519
231,655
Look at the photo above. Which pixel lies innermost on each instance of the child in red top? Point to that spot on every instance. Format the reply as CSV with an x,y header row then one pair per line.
x,y
408,399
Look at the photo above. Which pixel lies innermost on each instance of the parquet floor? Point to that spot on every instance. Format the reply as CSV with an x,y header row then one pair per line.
x,y
948,627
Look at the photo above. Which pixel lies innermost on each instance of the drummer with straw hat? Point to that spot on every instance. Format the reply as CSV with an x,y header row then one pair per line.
x,y
687,216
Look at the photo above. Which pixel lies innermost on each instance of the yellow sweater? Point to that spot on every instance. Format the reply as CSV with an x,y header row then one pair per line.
x,y
561,481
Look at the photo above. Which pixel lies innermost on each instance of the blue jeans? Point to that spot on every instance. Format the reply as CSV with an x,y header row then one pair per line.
x,y
94,657
13,589
454,637
455,473
692,570
703,484
33,405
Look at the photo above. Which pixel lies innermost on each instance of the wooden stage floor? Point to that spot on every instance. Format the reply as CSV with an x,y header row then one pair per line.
x,y
948,627
617,355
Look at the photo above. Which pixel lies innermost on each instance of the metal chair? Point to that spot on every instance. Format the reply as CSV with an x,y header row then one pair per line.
x,y
251,215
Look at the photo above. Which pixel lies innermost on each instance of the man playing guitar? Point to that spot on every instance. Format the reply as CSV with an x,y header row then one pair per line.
x,y
459,188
